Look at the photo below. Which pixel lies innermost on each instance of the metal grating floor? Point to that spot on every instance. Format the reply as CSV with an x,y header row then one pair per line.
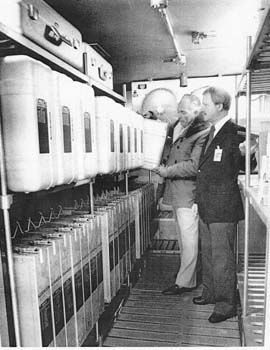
x,y
168,246
253,322
151,319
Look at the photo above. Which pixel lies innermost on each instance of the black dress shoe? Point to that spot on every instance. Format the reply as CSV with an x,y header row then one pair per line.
x,y
176,290
201,301
217,317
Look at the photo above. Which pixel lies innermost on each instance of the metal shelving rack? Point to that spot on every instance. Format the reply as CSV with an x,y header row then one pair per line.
x,y
16,43
20,44
256,80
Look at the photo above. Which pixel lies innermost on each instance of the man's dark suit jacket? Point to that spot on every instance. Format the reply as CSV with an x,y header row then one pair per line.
x,y
218,195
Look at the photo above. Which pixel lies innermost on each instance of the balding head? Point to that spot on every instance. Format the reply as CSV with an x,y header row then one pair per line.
x,y
193,100
188,109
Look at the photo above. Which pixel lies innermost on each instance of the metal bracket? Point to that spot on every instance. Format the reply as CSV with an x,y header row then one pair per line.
x,y
92,180
29,224
82,204
119,309
18,228
6,201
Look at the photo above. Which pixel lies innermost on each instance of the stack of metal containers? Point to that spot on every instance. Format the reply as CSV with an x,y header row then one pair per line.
x,y
68,269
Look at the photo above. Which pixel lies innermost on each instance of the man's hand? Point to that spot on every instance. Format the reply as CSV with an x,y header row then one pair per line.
x,y
253,142
161,171
253,146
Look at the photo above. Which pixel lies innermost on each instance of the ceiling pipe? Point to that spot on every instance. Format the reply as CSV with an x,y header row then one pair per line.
x,y
161,6
165,15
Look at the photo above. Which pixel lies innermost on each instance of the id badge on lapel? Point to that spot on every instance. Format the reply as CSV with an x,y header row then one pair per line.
x,y
218,154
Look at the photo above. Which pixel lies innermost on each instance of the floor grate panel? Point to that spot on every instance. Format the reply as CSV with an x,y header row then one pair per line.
x,y
252,323
149,318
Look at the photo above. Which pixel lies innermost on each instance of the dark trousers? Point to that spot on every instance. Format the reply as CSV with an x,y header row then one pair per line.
x,y
218,265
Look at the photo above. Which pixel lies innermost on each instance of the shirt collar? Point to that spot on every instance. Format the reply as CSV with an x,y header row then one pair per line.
x,y
220,124
179,130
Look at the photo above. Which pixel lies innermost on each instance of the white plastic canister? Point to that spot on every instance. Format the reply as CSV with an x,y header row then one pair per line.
x,y
130,140
121,136
140,149
125,121
154,139
85,132
134,131
64,142
128,117
106,130
116,115
141,157
27,102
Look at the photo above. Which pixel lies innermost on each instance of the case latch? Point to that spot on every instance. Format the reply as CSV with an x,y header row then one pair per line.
x,y
33,12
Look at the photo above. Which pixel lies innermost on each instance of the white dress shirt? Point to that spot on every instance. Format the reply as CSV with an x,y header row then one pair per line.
x,y
177,131
220,124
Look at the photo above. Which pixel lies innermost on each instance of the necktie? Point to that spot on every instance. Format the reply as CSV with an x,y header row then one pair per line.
x,y
211,136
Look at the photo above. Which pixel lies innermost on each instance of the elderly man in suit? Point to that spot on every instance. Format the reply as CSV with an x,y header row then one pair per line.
x,y
180,176
219,204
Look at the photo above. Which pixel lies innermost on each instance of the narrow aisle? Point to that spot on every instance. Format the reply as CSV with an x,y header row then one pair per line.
x,y
151,319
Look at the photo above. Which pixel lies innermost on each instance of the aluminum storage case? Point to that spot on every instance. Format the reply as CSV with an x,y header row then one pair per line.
x,y
33,287
71,274
43,25
55,244
97,67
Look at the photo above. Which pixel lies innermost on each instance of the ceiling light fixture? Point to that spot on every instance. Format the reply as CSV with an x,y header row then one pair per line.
x,y
197,37
183,80
161,6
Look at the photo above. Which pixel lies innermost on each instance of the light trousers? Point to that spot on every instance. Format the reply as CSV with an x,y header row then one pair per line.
x,y
187,222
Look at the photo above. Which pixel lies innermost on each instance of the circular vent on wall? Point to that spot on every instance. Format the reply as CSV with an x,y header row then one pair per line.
x,y
162,103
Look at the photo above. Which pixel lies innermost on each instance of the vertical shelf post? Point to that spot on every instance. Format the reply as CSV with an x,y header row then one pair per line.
x,y
236,102
236,121
6,201
150,176
124,90
126,181
91,194
247,183
266,328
